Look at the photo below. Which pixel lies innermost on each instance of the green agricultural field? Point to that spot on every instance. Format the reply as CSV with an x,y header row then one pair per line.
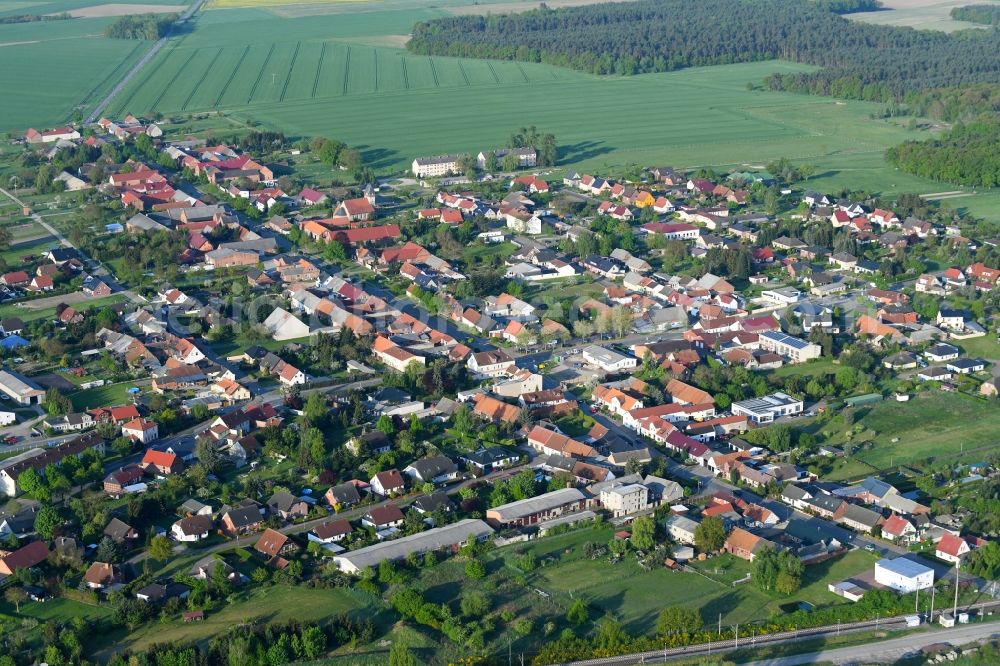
x,y
41,7
340,74
920,14
50,69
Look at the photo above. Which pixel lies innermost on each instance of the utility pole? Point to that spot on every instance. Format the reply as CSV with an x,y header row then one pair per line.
x,y
720,625
916,601
933,590
736,645
954,612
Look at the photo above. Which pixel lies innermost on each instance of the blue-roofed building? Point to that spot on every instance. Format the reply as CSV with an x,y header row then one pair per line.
x,y
13,342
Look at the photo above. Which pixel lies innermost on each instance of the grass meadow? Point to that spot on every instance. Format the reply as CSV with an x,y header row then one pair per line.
x,y
930,426
635,596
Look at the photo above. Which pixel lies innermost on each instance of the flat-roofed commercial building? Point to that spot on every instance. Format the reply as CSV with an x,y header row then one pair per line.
x,y
423,542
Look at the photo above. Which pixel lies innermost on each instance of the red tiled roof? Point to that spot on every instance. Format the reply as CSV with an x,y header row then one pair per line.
x,y
159,458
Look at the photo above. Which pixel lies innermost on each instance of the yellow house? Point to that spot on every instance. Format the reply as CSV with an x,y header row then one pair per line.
x,y
644,199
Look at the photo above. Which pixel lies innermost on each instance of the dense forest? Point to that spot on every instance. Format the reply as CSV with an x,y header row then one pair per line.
x,y
969,154
140,26
985,14
857,60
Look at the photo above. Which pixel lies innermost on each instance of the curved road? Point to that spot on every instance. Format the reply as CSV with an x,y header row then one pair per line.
x,y
160,43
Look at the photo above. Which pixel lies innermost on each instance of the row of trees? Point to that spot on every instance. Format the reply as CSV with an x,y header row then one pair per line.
x,y
34,18
858,60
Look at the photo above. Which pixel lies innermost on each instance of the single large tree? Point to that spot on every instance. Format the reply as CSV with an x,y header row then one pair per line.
x,y
710,534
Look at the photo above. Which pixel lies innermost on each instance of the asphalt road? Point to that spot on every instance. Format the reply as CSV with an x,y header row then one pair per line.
x,y
890,650
103,104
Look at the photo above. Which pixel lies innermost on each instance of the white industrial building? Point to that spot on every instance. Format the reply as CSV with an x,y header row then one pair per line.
x,y
903,575
608,360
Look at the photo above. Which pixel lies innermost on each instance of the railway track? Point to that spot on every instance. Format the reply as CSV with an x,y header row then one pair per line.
x,y
747,641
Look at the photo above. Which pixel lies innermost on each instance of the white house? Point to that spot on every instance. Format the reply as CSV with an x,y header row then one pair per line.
x,y
903,575
141,430
494,363
192,528
783,296
681,528
951,319
387,483
436,470
951,548
795,349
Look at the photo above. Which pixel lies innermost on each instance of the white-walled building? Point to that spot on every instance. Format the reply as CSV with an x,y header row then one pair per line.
x,y
608,359
795,349
430,167
493,363
768,408
903,575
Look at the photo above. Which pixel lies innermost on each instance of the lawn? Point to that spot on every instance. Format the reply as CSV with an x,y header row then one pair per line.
x,y
28,313
58,610
817,368
986,347
278,603
635,596
101,396
239,344
38,246
929,427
